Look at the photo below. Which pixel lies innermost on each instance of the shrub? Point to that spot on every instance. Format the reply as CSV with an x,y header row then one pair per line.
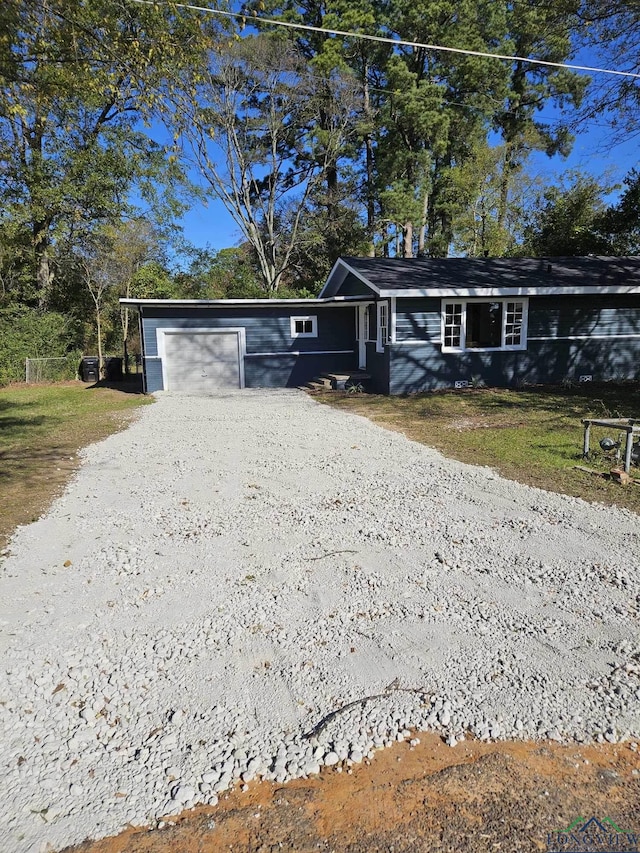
x,y
29,333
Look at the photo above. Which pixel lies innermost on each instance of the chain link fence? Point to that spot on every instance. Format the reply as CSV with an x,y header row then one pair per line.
x,y
51,369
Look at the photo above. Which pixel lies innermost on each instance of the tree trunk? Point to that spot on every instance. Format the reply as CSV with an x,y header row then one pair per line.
x,y
124,315
99,332
44,276
369,161
333,249
407,240
124,320
422,235
505,181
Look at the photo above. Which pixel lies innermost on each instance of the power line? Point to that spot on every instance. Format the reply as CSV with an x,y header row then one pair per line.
x,y
395,42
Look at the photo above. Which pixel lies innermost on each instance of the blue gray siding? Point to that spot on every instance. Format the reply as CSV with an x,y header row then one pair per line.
x,y
578,316
418,319
153,374
425,368
267,330
289,371
378,369
271,359
353,286
597,336
567,337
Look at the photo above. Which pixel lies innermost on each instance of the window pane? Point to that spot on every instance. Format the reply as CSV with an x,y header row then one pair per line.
x,y
305,327
513,324
452,324
484,325
383,324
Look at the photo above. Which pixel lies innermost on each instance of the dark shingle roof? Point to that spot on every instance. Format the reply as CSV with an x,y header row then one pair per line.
x,y
418,273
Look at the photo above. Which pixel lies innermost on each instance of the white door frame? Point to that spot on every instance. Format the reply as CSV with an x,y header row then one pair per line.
x,y
202,330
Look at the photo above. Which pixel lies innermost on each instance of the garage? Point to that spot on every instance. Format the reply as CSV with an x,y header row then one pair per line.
x,y
203,346
201,360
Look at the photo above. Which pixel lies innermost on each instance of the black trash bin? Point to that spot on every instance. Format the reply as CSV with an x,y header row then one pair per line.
x,y
113,369
90,369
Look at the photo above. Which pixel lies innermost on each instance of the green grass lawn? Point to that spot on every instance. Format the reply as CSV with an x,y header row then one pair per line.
x,y
42,427
533,436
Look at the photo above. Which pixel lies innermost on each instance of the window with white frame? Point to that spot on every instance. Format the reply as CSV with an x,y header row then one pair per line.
x,y
484,324
383,325
304,327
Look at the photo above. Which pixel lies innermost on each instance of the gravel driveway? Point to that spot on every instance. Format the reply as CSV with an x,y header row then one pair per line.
x,y
227,573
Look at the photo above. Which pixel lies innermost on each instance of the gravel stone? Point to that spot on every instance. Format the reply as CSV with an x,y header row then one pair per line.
x,y
183,793
179,635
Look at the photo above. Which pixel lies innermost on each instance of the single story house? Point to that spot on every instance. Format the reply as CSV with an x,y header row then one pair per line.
x,y
410,325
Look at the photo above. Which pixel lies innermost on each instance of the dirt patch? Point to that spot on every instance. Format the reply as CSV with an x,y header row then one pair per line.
x,y
476,797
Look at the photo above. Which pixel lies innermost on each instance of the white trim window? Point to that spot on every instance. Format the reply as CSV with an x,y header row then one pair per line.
x,y
304,327
383,326
484,324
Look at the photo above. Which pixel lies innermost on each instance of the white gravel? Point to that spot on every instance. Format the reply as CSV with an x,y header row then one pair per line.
x,y
227,573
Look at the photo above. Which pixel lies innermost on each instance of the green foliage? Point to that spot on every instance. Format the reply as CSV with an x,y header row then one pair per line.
x,y
612,32
419,138
30,333
265,136
566,220
479,231
16,283
76,80
621,222
572,219
322,240
152,280
227,274
318,145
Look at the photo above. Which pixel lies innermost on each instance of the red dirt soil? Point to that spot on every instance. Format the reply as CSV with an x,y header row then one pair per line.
x,y
474,797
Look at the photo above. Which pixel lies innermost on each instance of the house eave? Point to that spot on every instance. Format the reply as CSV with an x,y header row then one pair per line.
x,y
335,301
484,292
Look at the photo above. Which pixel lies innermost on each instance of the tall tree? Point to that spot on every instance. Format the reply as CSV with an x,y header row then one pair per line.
x,y
621,221
611,30
328,57
75,78
542,31
568,220
227,274
252,119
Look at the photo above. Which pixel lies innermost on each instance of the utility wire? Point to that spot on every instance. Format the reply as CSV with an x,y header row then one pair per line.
x,y
395,42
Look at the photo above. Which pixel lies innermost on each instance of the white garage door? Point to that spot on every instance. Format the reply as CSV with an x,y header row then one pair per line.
x,y
199,362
